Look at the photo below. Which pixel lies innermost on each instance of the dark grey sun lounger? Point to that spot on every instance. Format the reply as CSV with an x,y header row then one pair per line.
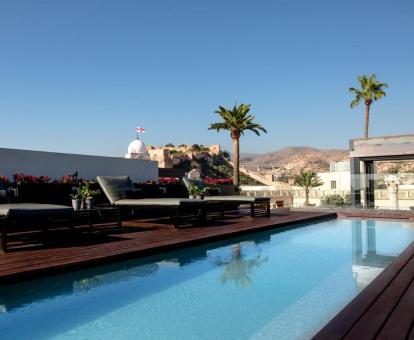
x,y
256,203
10,213
117,188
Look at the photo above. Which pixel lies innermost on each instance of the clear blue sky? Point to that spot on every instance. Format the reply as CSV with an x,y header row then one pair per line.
x,y
79,76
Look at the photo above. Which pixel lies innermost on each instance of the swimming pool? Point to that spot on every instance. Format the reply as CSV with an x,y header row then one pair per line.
x,y
276,284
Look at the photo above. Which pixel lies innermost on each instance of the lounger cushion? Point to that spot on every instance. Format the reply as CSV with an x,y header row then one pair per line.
x,y
114,187
133,194
165,202
32,209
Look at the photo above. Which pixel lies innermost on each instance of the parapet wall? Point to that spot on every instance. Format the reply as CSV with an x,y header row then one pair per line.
x,y
55,165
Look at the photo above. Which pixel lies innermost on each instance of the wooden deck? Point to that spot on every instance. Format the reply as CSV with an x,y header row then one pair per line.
x,y
138,238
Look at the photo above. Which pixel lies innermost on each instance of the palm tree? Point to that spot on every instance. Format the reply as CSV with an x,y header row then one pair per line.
x,y
307,180
237,121
371,90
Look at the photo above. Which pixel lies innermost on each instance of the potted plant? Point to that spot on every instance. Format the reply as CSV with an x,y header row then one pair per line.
x,y
88,195
76,199
196,192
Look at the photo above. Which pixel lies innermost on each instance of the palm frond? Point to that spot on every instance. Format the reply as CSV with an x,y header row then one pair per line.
x,y
308,179
237,120
355,102
371,90
218,126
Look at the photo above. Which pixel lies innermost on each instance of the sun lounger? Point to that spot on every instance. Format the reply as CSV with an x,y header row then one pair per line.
x,y
257,204
118,189
10,213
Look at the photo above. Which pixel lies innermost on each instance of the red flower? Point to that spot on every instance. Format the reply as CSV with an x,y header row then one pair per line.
x,y
69,179
169,180
217,181
22,178
4,179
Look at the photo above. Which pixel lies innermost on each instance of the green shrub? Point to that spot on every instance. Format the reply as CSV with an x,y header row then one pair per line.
x,y
332,201
347,199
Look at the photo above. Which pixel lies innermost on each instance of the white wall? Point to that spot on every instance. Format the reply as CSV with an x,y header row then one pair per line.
x,y
55,165
343,180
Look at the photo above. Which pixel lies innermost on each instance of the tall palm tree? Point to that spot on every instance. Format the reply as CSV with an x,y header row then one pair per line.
x,y
307,180
236,120
371,90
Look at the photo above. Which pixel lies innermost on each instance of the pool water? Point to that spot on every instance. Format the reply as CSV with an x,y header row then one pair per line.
x,y
283,284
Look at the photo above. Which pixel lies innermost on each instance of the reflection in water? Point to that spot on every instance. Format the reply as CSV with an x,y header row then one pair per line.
x,y
28,292
367,263
239,269
237,263
78,282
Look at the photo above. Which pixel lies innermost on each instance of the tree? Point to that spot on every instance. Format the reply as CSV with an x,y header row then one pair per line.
x,y
236,120
170,145
195,148
225,155
371,90
307,180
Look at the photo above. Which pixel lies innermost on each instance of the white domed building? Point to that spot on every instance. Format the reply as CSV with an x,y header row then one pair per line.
x,y
137,150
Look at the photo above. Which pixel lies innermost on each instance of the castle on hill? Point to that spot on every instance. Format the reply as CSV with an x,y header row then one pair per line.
x,y
168,155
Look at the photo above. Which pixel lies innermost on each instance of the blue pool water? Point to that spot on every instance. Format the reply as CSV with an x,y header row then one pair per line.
x,y
275,284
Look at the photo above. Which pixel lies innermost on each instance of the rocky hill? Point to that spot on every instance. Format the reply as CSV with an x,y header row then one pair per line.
x,y
291,160
214,166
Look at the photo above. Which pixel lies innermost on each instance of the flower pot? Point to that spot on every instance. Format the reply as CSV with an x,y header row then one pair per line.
x,y
89,202
77,203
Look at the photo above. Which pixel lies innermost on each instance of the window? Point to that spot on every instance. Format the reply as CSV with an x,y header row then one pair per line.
x,y
333,184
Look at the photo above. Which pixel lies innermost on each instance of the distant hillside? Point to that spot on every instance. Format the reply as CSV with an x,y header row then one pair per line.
x,y
293,159
214,166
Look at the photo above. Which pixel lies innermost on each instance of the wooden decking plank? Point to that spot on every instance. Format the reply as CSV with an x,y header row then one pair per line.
x,y
344,321
371,322
411,335
401,320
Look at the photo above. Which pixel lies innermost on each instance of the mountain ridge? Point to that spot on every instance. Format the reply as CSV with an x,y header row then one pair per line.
x,y
290,157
